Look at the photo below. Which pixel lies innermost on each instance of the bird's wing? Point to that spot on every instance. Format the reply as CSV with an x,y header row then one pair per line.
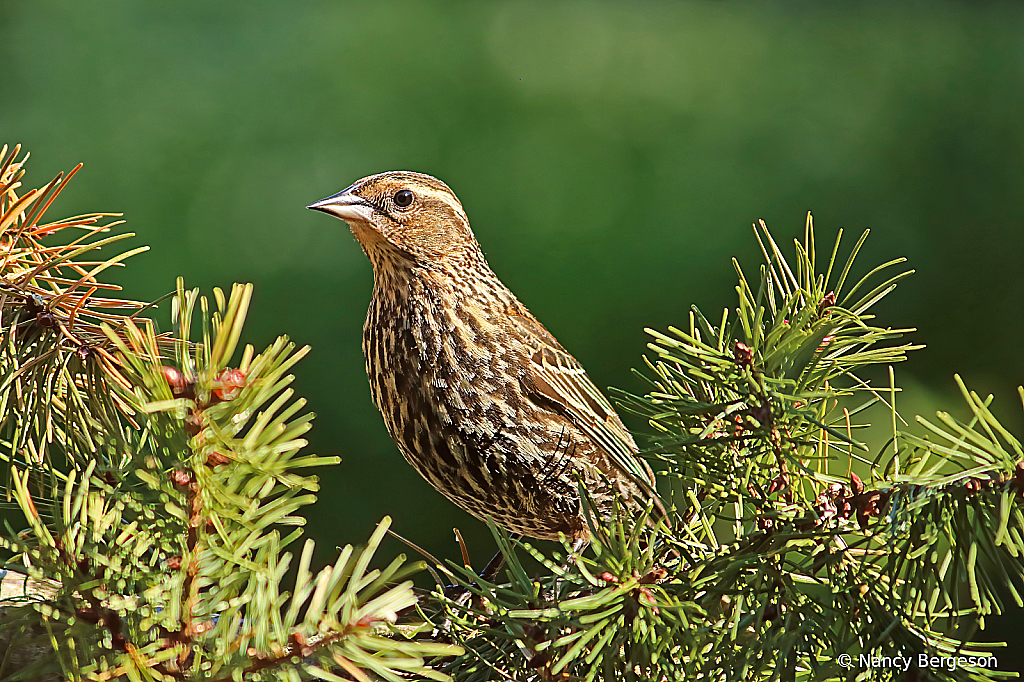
x,y
556,379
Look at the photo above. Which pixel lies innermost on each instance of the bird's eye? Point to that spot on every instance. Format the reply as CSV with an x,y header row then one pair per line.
x,y
403,198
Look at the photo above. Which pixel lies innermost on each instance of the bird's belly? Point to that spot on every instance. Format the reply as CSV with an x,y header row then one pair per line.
x,y
460,421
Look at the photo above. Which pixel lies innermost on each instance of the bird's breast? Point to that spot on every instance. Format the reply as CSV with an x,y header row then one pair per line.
x,y
446,383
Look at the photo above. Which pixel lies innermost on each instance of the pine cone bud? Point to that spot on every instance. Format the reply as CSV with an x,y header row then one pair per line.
x,y
230,383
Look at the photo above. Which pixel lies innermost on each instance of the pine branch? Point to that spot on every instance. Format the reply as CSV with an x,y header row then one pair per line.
x,y
156,480
162,478
778,557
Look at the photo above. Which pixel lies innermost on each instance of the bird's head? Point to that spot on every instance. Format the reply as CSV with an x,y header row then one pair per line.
x,y
411,216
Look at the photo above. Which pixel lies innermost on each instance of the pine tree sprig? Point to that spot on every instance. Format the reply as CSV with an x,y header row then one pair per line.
x,y
56,368
162,479
626,608
156,481
777,557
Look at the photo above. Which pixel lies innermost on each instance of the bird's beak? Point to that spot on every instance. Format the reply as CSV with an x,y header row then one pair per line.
x,y
346,206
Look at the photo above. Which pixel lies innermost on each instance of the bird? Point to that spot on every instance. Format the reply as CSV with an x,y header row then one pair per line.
x,y
478,396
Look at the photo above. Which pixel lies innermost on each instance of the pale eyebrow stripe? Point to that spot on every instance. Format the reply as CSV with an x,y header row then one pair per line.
x,y
448,199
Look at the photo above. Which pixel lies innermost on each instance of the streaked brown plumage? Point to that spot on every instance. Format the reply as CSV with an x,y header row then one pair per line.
x,y
479,397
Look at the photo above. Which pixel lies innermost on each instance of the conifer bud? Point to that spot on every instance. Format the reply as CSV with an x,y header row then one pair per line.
x,y
175,379
230,383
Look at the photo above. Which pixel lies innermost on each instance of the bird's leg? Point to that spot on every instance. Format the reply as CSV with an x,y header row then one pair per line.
x,y
490,571
460,594
578,546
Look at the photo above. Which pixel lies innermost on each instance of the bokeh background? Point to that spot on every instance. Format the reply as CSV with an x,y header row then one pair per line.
x,y
611,156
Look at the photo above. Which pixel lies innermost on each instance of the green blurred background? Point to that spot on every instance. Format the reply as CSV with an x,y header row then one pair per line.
x,y
611,157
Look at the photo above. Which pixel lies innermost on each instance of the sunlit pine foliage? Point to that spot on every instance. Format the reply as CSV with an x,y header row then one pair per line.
x,y
789,542
162,476
157,476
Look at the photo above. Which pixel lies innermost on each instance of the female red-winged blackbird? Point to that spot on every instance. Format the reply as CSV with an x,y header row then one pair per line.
x,y
479,397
